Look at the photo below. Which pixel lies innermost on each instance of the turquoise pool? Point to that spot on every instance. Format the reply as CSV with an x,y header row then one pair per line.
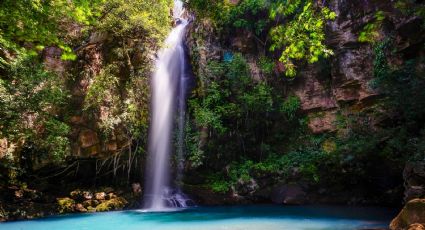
x,y
256,217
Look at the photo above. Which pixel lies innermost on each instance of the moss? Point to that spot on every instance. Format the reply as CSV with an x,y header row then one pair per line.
x,y
66,205
329,146
112,204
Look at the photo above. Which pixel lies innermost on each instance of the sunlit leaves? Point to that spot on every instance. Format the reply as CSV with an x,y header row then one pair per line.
x,y
370,32
303,37
29,23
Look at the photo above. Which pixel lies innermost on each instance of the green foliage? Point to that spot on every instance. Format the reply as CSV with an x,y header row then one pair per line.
x,y
370,32
267,65
302,38
142,17
297,28
30,98
34,24
192,142
291,105
411,7
218,184
237,118
103,86
305,162
243,15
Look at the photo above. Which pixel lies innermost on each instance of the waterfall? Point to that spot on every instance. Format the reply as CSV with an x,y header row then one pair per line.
x,y
169,89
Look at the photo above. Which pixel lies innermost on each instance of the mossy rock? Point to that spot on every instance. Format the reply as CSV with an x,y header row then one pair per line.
x,y
91,209
66,205
111,205
412,213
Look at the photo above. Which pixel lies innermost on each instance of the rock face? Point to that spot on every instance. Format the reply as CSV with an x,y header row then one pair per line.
x,y
289,194
411,217
343,82
414,180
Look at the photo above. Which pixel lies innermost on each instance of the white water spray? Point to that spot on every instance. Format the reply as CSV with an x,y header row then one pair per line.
x,y
169,87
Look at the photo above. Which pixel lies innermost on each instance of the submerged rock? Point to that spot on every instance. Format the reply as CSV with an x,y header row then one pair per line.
x,y
412,216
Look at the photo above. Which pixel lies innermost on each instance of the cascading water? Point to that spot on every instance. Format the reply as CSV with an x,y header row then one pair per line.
x,y
169,89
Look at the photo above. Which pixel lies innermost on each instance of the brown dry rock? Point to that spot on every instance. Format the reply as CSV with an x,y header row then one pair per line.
x,y
412,213
88,138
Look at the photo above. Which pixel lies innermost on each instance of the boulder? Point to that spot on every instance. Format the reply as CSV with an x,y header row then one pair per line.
x,y
412,216
77,195
100,196
111,196
288,194
137,189
414,180
416,227
87,195
80,208
66,205
90,203
246,187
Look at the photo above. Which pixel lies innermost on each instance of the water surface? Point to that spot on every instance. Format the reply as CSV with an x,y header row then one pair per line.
x,y
257,217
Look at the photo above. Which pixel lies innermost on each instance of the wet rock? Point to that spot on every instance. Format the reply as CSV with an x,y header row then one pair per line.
x,y
90,203
137,189
246,187
289,194
111,196
112,204
80,208
77,195
414,180
100,196
87,195
19,194
413,213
